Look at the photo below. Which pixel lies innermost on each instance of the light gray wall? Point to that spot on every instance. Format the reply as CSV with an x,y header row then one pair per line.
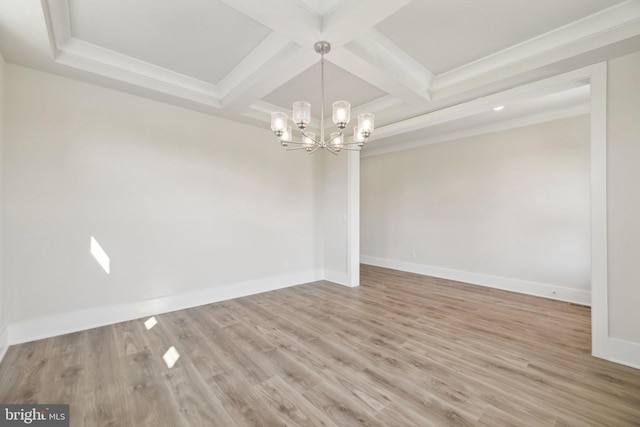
x,y
3,302
623,196
181,201
511,204
334,208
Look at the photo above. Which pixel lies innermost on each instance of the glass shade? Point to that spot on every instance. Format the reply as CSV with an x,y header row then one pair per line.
x,y
341,113
287,134
308,141
357,137
365,124
285,138
278,123
336,140
301,114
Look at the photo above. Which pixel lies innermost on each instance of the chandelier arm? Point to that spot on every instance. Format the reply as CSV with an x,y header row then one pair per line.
x,y
348,148
315,148
331,150
288,148
307,136
334,137
291,142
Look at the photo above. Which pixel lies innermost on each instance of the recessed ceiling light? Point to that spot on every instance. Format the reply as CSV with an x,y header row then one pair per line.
x,y
498,108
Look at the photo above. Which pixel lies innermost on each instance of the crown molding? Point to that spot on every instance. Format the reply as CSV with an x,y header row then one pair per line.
x,y
592,32
358,48
373,150
396,63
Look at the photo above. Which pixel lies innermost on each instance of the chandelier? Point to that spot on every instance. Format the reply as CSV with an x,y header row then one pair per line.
x,y
341,116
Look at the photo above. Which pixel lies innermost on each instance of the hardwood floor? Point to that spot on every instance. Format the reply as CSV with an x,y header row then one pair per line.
x,y
401,350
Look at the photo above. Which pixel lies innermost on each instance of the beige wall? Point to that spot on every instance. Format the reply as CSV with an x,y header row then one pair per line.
x,y
181,201
511,204
3,303
334,208
623,196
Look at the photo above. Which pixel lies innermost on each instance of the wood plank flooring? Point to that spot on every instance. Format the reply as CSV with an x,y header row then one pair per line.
x,y
400,350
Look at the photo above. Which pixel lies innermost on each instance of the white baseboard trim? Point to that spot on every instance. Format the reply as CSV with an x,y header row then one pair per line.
x,y
623,352
514,285
4,342
337,277
60,324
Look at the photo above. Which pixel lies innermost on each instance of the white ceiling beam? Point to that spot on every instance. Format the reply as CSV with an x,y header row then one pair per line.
x,y
287,17
58,20
381,53
270,47
526,120
321,6
408,92
476,106
588,34
273,74
355,17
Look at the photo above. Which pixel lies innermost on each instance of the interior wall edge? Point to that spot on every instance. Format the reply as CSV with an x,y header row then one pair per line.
x,y
623,352
575,296
338,277
65,323
4,342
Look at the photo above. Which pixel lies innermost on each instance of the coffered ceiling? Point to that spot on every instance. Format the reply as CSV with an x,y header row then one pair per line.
x,y
242,59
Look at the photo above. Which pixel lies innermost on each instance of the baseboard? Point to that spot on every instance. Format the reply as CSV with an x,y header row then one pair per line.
x,y
4,342
65,323
514,285
337,277
623,352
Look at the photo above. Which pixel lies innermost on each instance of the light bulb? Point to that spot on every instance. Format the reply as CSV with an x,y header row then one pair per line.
x,y
308,140
341,113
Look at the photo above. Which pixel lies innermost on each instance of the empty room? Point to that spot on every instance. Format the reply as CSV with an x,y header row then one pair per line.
x,y
319,212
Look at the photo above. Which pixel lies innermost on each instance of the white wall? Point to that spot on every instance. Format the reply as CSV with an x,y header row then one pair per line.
x,y
508,209
623,197
334,208
3,301
181,201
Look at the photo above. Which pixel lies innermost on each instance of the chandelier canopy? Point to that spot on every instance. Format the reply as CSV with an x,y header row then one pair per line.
x,y
341,116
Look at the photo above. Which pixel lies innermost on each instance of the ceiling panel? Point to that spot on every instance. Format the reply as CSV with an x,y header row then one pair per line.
x,y
444,34
203,54
203,39
339,85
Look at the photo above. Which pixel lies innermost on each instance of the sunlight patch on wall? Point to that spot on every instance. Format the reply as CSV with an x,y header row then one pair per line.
x,y
99,254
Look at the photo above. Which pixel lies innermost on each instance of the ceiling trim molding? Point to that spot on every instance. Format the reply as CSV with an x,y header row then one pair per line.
x,y
113,60
288,18
475,106
79,54
345,59
355,17
380,52
358,48
275,45
280,69
373,150
58,19
141,80
589,33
